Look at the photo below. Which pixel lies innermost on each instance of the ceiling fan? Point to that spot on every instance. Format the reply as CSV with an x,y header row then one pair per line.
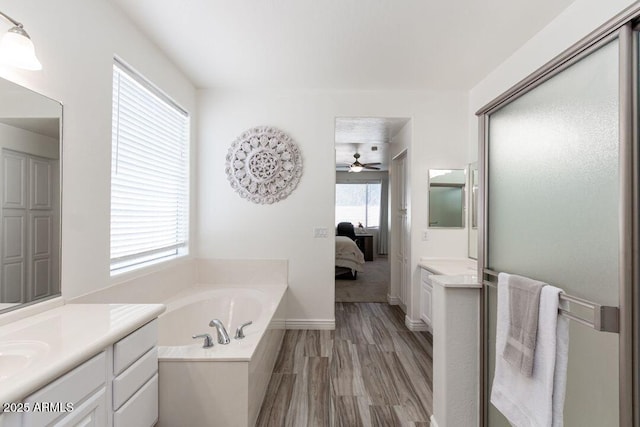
x,y
358,167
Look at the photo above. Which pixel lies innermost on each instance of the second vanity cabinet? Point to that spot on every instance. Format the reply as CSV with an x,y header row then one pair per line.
x,y
118,386
438,266
426,298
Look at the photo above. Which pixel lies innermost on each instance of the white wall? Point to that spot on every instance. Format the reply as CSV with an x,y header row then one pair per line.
x,y
28,142
231,227
573,24
75,41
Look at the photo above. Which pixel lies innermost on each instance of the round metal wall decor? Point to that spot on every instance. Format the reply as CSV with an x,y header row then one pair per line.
x,y
264,165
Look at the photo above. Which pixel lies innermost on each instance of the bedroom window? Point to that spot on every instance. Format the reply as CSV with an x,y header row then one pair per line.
x,y
358,203
149,173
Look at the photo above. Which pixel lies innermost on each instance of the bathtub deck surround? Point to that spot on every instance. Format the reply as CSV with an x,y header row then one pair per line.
x,y
223,385
159,284
189,313
370,371
52,343
153,285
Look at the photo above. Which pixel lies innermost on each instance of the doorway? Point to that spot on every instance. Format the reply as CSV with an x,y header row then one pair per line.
x,y
362,206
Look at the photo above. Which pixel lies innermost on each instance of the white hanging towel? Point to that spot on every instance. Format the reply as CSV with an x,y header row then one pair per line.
x,y
538,400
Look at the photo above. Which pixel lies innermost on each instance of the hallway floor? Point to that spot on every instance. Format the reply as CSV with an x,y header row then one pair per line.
x,y
370,371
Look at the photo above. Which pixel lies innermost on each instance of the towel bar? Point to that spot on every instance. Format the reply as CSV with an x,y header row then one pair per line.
x,y
605,318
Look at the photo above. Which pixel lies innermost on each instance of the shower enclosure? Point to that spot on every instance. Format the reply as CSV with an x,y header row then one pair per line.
x,y
559,203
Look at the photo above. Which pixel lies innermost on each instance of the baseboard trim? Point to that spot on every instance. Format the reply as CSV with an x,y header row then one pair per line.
x,y
393,300
434,423
318,324
415,325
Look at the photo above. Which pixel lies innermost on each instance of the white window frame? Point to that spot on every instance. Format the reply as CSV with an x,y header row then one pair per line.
x,y
137,185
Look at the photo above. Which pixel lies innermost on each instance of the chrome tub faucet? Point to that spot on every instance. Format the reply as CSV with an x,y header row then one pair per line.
x,y
223,336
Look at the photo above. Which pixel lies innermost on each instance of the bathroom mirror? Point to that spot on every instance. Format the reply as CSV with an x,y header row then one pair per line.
x,y
30,165
447,198
473,211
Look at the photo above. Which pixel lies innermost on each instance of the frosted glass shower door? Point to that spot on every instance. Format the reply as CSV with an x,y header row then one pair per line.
x,y
552,214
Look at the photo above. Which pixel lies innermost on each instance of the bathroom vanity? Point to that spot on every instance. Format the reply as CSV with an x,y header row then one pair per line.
x,y
456,356
439,266
81,364
450,306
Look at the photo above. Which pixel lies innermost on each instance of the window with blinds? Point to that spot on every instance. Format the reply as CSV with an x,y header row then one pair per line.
x,y
149,173
358,203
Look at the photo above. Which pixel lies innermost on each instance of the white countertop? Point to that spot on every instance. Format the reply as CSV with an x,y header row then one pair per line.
x,y
450,266
64,337
458,281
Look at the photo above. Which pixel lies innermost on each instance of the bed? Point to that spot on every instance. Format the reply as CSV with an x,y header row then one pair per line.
x,y
349,258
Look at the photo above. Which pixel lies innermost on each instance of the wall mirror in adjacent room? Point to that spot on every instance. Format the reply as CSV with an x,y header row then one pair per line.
x,y
30,171
472,174
447,198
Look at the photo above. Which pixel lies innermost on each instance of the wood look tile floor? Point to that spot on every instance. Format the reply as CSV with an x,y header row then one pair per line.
x,y
371,371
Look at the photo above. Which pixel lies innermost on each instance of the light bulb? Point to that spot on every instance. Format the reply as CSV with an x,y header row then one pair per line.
x,y
16,49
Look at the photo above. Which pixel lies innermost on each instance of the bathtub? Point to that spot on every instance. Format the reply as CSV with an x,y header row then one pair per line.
x,y
223,385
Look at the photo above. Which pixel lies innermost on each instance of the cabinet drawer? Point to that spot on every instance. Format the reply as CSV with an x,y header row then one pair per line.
x,y
130,348
71,388
142,409
92,413
134,377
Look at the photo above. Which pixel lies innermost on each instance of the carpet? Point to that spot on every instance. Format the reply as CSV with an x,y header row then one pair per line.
x,y
372,284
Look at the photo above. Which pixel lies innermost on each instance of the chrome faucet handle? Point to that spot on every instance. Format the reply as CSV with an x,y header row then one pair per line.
x,y
240,331
208,341
223,336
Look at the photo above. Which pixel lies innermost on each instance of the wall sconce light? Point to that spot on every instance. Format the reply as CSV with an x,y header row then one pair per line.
x,y
16,47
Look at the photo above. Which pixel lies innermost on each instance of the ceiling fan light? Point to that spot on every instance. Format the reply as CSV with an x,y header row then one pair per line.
x,y
356,168
16,49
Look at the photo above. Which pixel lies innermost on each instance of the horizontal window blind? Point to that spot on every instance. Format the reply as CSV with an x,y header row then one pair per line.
x,y
149,173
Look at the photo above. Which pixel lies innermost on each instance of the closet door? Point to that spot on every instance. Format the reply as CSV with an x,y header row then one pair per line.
x,y
41,220
13,250
552,214
28,266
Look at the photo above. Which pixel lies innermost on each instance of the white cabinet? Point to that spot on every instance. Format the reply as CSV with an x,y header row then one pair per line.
x,y
456,356
132,347
131,380
141,409
426,299
91,413
118,387
135,385
78,398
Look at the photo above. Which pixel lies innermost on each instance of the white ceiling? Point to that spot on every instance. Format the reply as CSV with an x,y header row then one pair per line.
x,y
367,136
340,44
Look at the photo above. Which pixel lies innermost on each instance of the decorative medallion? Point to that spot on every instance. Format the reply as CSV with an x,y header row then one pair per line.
x,y
264,165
